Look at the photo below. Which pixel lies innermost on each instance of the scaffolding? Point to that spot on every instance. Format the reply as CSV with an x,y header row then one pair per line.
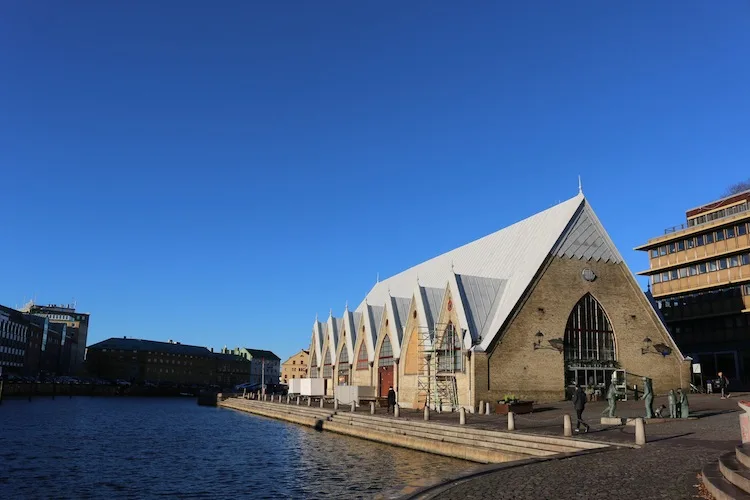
x,y
440,357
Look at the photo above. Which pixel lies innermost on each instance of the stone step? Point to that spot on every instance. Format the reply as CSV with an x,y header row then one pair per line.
x,y
437,436
283,409
484,434
743,454
458,432
735,472
719,486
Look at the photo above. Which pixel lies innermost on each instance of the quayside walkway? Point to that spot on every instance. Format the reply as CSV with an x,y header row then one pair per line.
x,y
442,438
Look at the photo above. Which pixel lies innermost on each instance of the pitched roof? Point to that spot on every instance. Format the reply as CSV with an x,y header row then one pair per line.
x,y
432,298
128,344
480,297
513,254
261,353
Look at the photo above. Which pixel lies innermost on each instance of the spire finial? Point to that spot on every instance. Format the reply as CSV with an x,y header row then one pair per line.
x,y
316,317
377,278
580,187
330,312
346,306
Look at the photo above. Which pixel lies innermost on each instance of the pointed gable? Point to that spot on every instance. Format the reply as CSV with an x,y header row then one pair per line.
x,y
349,330
480,297
432,298
586,239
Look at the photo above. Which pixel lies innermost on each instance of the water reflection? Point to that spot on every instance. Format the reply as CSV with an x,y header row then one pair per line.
x,y
145,448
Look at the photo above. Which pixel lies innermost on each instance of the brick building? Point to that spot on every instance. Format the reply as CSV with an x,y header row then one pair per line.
x,y
295,366
265,366
700,279
527,310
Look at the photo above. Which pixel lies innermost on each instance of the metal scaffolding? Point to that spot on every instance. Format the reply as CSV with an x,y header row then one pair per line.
x,y
438,364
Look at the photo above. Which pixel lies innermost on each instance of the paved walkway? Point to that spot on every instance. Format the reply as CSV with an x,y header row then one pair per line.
x,y
666,467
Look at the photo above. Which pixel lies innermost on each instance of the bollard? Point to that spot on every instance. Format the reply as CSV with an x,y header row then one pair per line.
x,y
372,407
396,411
462,416
640,432
297,400
511,421
309,401
321,402
567,426
335,405
487,408
481,407
354,407
244,392
426,412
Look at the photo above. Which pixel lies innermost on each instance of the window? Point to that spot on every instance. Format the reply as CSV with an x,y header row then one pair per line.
x,y
654,253
662,250
656,278
690,242
709,237
712,266
386,353
693,270
588,334
746,259
723,264
699,240
362,361
702,268
746,290
450,355
665,276
742,230
734,261
294,362
720,235
673,274
683,272
681,245
730,232
671,248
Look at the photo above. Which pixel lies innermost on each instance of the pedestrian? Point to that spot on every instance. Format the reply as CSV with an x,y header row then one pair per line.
x,y
391,399
724,386
579,404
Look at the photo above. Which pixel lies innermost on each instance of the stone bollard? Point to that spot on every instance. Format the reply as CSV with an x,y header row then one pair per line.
x,y
567,426
487,408
335,405
511,421
481,407
640,432
426,412
354,406
322,400
309,401
297,400
396,411
372,407
462,416
244,393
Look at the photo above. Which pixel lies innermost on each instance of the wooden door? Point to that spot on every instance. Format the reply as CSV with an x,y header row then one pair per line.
x,y
385,380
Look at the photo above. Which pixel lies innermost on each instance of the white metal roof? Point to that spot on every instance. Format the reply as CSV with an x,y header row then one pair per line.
x,y
513,254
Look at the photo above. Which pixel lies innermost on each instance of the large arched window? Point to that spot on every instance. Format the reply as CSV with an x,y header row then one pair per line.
x,y
450,354
313,365
343,375
327,370
386,353
590,356
362,361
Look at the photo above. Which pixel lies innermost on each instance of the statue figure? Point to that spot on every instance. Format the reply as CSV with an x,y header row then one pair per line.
x,y
672,404
612,400
684,408
648,396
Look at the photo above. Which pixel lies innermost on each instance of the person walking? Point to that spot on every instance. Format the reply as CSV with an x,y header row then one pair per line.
x,y
579,404
391,399
724,386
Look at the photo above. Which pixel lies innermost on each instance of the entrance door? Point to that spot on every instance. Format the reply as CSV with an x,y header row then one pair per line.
x,y
385,380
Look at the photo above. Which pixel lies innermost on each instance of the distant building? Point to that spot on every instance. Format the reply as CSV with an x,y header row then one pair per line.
x,y
14,331
700,280
295,366
77,328
265,366
231,369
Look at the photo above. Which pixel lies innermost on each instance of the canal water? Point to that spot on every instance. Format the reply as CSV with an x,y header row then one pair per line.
x,y
124,447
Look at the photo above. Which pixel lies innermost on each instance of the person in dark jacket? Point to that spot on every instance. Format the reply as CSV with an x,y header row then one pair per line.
x,y
391,399
579,403
724,386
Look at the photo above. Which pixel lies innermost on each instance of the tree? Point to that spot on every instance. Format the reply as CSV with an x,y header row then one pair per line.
x,y
738,188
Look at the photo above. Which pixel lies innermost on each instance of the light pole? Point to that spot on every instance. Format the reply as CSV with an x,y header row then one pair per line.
x,y
263,374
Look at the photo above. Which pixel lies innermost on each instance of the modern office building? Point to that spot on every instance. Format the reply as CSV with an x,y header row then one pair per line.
x,y
76,322
14,331
295,366
527,310
699,276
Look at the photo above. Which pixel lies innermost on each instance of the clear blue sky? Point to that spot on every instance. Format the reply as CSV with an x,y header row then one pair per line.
x,y
218,174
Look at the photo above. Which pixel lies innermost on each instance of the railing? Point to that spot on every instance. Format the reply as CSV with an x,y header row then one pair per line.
x,y
714,216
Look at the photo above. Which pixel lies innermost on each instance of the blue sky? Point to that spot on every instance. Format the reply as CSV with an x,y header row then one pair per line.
x,y
220,174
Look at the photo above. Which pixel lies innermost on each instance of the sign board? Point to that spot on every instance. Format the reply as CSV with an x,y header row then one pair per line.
x,y
696,368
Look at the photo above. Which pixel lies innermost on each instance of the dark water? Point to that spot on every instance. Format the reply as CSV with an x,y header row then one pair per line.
x,y
146,448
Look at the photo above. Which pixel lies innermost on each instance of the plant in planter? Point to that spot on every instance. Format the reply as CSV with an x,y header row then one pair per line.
x,y
511,403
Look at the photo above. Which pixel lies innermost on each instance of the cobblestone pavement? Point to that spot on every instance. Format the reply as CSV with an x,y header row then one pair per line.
x,y
666,467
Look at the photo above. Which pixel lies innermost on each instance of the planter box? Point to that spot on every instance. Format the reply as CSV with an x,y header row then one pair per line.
x,y
518,407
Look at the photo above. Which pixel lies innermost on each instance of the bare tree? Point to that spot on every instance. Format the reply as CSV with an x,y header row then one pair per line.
x,y
738,188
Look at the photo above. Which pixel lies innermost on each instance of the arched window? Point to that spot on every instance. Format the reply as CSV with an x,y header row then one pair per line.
x,y
343,361
590,356
362,361
327,369
386,353
450,353
313,365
